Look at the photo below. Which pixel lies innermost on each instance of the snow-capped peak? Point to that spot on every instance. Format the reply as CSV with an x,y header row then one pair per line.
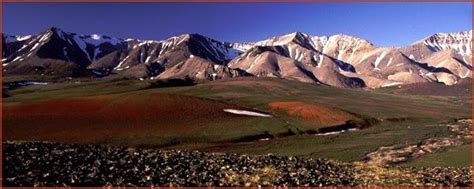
x,y
305,40
461,42
96,36
96,39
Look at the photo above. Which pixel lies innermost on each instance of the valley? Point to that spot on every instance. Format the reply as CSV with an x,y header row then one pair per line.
x,y
193,117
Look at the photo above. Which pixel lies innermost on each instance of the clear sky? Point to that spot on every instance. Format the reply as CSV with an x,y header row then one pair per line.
x,y
384,24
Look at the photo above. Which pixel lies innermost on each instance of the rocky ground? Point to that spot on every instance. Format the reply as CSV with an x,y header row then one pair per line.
x,y
54,164
376,169
386,155
374,175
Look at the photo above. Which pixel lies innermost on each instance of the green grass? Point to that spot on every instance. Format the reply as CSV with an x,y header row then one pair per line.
x,y
349,146
75,88
208,134
458,156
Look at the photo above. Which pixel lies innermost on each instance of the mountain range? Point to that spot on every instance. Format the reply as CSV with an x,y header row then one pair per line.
x,y
338,60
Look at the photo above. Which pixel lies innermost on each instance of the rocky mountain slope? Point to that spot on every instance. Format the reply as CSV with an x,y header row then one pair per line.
x,y
338,60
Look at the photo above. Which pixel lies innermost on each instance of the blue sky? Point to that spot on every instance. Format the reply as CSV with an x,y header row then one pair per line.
x,y
384,24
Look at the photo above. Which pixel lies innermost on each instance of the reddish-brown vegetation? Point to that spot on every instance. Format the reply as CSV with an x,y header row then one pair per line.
x,y
311,113
89,119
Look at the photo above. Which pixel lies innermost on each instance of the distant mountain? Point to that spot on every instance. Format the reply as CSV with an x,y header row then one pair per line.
x,y
146,59
460,42
339,60
451,51
358,58
56,52
294,56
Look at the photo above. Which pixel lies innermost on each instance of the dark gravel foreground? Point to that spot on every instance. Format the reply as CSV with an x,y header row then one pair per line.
x,y
54,164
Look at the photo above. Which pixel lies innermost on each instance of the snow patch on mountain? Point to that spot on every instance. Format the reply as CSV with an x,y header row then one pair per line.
x,y
380,58
12,38
96,39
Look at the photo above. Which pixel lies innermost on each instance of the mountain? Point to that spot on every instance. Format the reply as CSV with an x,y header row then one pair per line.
x,y
293,56
459,42
451,51
144,59
347,60
340,60
55,52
